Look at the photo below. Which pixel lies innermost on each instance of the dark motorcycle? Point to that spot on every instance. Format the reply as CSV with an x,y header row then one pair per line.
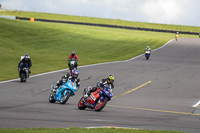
x,y
72,65
23,72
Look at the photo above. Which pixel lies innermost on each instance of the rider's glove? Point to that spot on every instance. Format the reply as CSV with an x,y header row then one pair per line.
x,y
85,96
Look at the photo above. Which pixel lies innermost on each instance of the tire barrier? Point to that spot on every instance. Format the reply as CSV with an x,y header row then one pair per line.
x,y
108,26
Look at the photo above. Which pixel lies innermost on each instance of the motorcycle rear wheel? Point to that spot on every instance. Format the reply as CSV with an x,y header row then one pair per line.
x,y
65,98
101,105
81,106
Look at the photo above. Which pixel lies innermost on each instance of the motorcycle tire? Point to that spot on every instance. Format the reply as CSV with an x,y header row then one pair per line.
x,y
22,77
147,57
65,98
100,106
81,106
51,98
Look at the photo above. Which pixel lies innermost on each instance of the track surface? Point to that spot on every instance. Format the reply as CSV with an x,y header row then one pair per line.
x,y
164,104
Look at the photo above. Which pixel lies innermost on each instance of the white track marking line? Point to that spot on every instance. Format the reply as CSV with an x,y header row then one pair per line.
x,y
178,68
87,65
197,104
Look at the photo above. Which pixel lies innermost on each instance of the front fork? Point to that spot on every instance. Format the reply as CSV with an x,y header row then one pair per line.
x,y
27,73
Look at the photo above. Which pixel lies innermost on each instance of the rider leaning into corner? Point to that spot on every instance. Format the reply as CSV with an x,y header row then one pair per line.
x,y
108,82
26,60
73,57
74,75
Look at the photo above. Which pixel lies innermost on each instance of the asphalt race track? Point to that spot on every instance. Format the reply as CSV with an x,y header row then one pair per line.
x,y
149,94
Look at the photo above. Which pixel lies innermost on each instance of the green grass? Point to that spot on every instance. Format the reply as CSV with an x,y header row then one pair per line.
x,y
49,44
82,130
100,21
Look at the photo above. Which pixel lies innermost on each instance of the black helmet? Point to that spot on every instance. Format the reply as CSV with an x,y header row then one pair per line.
x,y
73,53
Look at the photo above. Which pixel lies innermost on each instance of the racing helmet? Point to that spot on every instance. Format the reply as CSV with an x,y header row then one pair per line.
x,y
75,73
26,57
147,47
110,78
73,53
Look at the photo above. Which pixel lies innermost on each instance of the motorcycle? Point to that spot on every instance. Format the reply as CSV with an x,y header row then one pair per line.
x,y
72,65
97,100
177,37
147,54
63,93
23,72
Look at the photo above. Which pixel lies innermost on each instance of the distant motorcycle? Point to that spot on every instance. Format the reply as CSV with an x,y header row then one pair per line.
x,y
23,72
177,37
72,64
97,100
63,93
147,54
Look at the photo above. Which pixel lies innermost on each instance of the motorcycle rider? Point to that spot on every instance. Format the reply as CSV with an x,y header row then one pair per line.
x,y
26,61
73,57
148,49
177,34
74,75
108,82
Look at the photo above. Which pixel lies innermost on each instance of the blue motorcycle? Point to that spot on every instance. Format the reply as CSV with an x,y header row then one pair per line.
x,y
63,93
147,54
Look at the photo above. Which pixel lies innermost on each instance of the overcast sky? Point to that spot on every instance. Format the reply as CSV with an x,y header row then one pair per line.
x,y
178,12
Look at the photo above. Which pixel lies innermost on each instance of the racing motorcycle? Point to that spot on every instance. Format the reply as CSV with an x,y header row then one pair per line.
x,y
147,54
97,100
63,93
23,72
177,37
72,64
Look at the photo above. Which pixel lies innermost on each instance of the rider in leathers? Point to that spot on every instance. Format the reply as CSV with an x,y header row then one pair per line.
x,y
26,61
64,79
108,82
73,57
148,49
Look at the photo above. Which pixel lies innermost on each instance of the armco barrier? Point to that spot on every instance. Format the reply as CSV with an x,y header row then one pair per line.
x,y
109,26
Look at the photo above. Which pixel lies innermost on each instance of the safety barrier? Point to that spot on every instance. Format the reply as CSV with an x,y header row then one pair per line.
x,y
108,26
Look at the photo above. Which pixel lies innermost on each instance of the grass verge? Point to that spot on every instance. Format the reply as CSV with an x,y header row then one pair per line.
x,y
49,44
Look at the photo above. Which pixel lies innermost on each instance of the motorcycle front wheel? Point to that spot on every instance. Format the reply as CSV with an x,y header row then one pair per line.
x,y
99,106
51,98
147,57
65,98
22,77
81,105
